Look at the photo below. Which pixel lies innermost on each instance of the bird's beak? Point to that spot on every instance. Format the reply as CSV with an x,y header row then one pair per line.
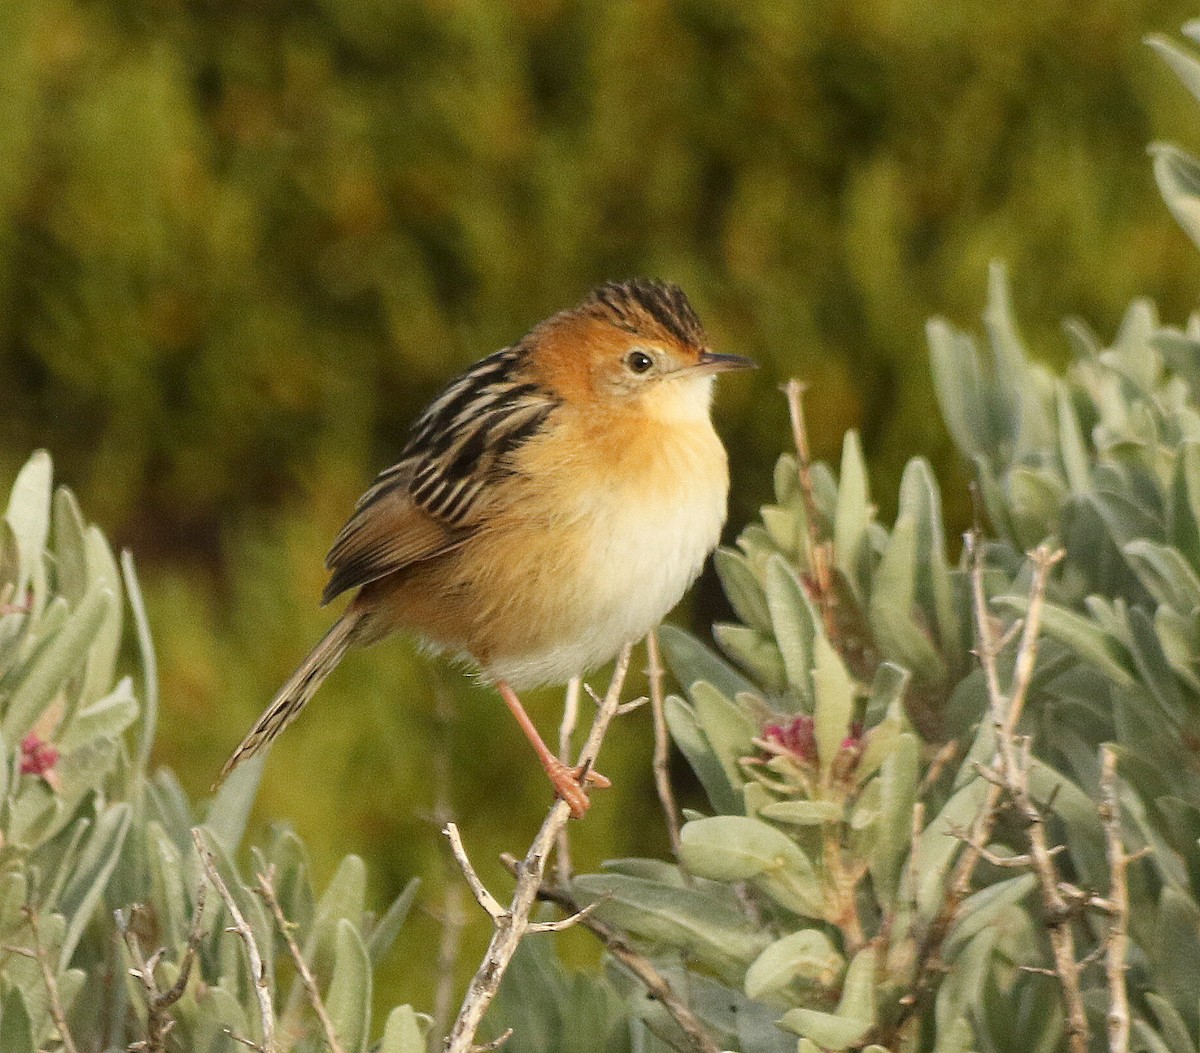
x,y
710,362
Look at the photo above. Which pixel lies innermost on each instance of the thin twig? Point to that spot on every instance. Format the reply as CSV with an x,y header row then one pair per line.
x,y
657,985
266,891
480,891
566,729
820,550
57,1012
241,927
512,924
662,743
158,1021
1117,1019
1005,713
1012,762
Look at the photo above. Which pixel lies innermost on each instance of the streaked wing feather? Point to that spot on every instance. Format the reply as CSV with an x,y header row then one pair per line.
x,y
432,499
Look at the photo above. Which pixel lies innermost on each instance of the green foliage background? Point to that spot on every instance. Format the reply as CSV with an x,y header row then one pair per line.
x,y
242,241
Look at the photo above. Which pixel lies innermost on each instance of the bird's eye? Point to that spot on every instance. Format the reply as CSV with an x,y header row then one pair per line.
x,y
638,361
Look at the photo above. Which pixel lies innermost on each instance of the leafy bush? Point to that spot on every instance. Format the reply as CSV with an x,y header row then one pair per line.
x,y
112,931
879,869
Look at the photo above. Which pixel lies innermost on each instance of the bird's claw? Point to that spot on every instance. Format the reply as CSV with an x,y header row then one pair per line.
x,y
571,785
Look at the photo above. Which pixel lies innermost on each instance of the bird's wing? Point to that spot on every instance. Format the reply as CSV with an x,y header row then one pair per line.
x,y
436,495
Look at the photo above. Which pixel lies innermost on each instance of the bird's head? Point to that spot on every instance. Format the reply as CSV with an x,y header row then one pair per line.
x,y
632,345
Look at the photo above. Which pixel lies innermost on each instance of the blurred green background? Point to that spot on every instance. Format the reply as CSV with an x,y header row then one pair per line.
x,y
243,241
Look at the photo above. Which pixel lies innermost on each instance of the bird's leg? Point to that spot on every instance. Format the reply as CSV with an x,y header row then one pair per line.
x,y
567,781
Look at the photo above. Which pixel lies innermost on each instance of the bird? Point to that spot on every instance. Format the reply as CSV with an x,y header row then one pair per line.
x,y
552,504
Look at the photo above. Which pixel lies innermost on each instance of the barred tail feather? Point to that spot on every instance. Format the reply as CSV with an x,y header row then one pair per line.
x,y
300,687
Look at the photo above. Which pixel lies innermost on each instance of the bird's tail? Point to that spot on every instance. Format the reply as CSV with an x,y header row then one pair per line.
x,y
300,687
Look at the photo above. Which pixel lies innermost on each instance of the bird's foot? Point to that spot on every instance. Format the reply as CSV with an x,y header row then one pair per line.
x,y
571,785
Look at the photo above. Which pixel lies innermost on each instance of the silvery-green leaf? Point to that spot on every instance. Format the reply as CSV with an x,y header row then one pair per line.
x,y
1156,672
149,661
83,892
385,931
803,813
742,589
966,979
868,807
1036,497
891,681
834,704
827,1030
960,386
713,929
686,734
899,775
921,500
56,660
1174,1029
858,989
1085,833
13,898
28,515
16,1028
980,909
1072,449
1168,577
402,1033
794,624
753,651
893,600
1183,63
1084,637
783,525
734,848
787,479
70,558
1179,637
938,846
855,1012
689,660
729,730
737,848
229,810
167,893
349,997
102,651
806,956
853,513
106,718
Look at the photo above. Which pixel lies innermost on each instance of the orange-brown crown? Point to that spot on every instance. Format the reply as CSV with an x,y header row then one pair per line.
x,y
579,351
647,307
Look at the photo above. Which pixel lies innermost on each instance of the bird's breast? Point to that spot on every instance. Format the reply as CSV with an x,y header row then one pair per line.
x,y
609,525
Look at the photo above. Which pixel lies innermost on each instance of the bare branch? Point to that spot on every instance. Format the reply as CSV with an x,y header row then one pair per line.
x,y
57,1012
562,923
1007,779
266,891
820,550
1117,1019
566,729
512,924
662,742
657,985
158,1021
484,898
241,927
496,1043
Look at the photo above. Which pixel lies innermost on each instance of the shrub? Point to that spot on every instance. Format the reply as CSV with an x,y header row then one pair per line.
x,y
116,899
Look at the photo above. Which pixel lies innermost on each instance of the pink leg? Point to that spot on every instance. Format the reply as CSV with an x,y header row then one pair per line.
x,y
566,780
